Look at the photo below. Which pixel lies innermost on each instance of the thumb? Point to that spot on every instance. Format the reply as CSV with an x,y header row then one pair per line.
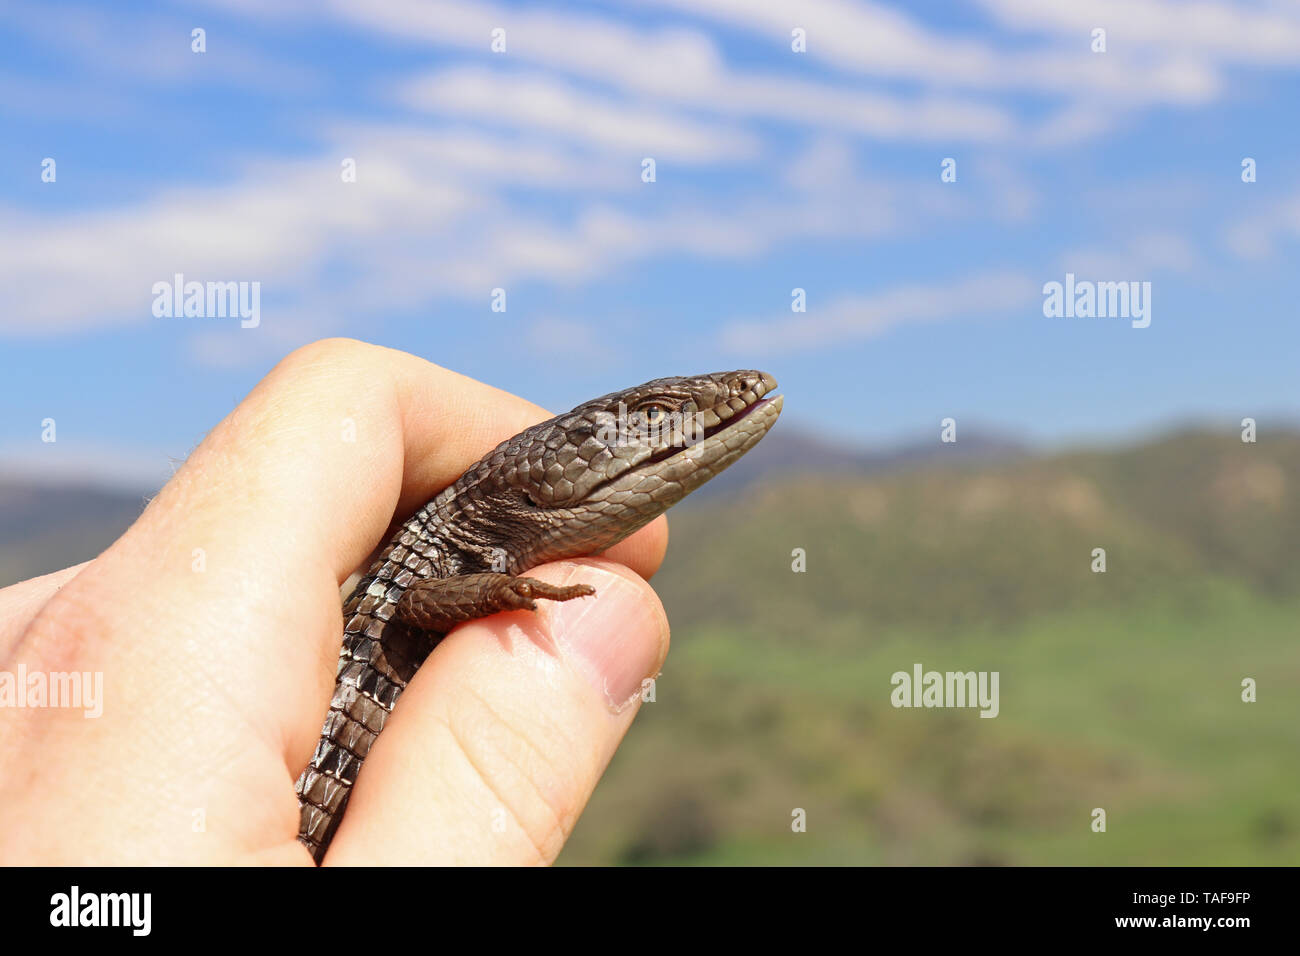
x,y
495,747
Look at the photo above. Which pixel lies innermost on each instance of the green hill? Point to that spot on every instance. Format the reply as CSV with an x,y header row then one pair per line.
x,y
1119,690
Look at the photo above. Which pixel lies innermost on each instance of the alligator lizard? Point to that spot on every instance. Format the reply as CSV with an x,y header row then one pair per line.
x,y
573,485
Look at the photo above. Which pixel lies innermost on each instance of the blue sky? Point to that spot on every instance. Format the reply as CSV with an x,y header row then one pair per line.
x,y
522,169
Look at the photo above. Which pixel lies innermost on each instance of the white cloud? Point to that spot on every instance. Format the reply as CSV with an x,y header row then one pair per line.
x,y
1134,258
72,272
1256,236
1076,123
286,224
855,318
863,37
434,213
428,218
1230,32
486,160
540,103
679,68
149,49
876,40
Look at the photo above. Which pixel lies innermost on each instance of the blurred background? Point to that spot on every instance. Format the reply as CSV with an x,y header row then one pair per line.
x,y
653,187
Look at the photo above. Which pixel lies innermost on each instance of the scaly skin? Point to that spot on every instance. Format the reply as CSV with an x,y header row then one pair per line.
x,y
570,486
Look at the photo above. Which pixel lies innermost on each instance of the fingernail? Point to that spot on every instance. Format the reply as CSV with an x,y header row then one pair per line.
x,y
617,638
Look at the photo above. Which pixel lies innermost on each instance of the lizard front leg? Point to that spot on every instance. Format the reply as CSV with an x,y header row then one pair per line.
x,y
439,604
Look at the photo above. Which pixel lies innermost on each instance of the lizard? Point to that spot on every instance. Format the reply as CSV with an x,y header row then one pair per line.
x,y
573,485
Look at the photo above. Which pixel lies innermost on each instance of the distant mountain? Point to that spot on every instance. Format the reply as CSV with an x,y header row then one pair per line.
x,y
45,527
991,542
787,452
794,604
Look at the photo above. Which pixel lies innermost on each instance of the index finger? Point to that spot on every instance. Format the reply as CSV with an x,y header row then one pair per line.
x,y
382,432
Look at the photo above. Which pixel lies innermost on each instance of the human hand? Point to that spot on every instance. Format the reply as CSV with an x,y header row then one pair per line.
x,y
215,622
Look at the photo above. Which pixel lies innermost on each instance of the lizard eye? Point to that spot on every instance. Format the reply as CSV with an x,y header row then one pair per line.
x,y
654,414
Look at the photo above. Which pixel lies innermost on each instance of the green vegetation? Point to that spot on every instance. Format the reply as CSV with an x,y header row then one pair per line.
x,y
1119,690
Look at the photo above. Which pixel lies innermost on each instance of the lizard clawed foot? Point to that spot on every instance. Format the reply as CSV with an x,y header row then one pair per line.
x,y
440,604
526,590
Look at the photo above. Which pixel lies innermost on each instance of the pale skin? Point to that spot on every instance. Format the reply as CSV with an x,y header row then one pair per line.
x,y
215,621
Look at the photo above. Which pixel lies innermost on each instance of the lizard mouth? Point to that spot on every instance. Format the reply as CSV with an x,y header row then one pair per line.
x,y
741,415
673,472
700,453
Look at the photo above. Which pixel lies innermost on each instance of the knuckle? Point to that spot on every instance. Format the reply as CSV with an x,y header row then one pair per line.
x,y
328,353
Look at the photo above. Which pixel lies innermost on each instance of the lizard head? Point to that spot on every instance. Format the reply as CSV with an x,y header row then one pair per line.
x,y
578,483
